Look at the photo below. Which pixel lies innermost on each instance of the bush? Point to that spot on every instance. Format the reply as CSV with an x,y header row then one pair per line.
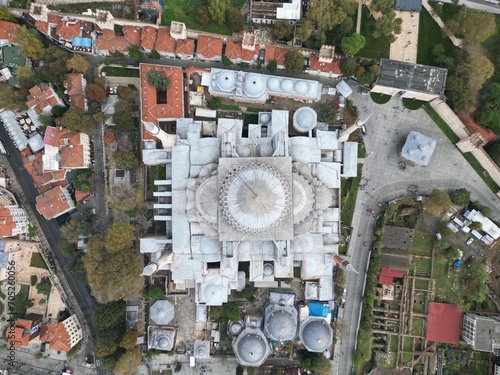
x,y
231,312
33,279
460,197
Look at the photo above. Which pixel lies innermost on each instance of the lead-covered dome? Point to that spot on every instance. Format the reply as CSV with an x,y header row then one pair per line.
x,y
254,85
301,87
226,81
286,85
280,325
255,198
251,349
273,84
316,334
305,119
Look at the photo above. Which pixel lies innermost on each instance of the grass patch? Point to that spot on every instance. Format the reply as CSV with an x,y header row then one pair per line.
x,y
375,48
361,150
407,357
350,201
18,4
250,119
380,98
253,109
422,244
418,326
426,40
422,266
37,261
407,343
413,104
116,71
185,11
393,346
442,124
2,295
481,172
445,11
20,302
230,107
422,284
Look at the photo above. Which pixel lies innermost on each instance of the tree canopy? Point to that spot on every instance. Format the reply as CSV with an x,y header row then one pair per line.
x,y
437,202
326,14
460,197
55,66
218,10
44,286
473,26
352,44
294,62
77,63
126,160
235,19
119,237
95,92
157,79
328,112
11,99
30,42
109,315
128,363
202,15
77,121
282,30
125,93
6,15
129,340
272,66
348,66
488,113
493,149
315,362
134,51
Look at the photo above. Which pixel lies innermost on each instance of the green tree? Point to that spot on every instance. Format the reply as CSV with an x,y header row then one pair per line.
x,y
45,119
77,63
58,110
154,55
282,30
460,197
11,98
316,40
108,340
54,68
346,27
458,94
437,202
214,103
128,363
6,15
81,180
218,10
33,280
77,121
387,26
119,237
202,15
480,70
294,62
488,113
226,61
125,93
272,66
473,26
231,312
493,149
109,315
30,42
315,362
485,210
95,92
129,340
324,15
352,44
44,286
476,225
452,253
328,112
305,30
235,19
134,51
126,160
348,66
123,120
158,80
154,293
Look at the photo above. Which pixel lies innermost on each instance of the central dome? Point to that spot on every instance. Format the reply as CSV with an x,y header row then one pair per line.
x,y
252,348
254,85
255,198
227,81
281,326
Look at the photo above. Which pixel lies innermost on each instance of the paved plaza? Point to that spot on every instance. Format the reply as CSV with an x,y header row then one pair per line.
x,y
405,46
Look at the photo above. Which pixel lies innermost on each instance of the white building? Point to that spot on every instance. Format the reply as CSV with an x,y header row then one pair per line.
x,y
489,228
13,219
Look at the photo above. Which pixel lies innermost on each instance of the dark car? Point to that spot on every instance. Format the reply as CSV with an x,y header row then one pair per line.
x,y
42,347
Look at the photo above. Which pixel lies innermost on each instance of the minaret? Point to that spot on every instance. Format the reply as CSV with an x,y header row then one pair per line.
x,y
159,263
357,124
167,140
343,263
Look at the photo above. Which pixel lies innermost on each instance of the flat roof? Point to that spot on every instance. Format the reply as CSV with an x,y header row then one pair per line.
x,y
444,323
408,5
413,77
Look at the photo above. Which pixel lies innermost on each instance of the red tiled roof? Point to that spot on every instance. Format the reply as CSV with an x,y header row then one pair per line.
x,y
148,37
57,336
248,54
174,108
209,46
80,195
7,30
74,85
276,53
444,323
109,42
72,156
185,47
388,274
53,18
316,65
42,181
53,203
109,137
21,337
42,26
68,29
132,34
7,224
41,98
164,41
233,50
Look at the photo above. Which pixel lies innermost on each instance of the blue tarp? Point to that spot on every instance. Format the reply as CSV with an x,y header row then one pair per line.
x,y
318,309
77,41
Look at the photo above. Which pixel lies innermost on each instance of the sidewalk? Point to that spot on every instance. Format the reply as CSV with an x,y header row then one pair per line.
x,y
457,42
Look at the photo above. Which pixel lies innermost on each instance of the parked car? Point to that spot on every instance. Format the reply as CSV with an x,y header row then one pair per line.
x,y
469,241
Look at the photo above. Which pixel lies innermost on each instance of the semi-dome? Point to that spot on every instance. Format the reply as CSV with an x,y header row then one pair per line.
x,y
301,87
316,334
286,85
255,198
215,295
254,85
303,198
206,199
226,81
280,325
251,348
305,119
273,84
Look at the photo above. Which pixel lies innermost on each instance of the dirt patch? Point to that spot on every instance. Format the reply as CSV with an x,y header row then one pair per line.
x,y
467,118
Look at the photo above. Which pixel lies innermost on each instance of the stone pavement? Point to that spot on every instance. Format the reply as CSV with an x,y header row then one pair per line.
x,y
405,46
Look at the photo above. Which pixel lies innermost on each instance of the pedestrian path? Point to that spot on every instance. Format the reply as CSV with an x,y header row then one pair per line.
x,y
406,45
456,41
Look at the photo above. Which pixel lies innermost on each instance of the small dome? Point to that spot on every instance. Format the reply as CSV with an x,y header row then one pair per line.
x,y
273,84
150,145
268,269
214,294
235,328
286,85
164,342
226,81
254,85
316,335
305,119
301,87
281,325
265,118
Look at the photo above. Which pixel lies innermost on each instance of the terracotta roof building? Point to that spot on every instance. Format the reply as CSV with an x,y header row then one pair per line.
x,y
148,38
13,219
209,48
63,335
75,87
67,28
276,53
444,323
184,48
42,99
324,68
132,34
7,30
54,202
387,275
233,51
26,330
108,42
42,180
165,44
65,150
161,106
